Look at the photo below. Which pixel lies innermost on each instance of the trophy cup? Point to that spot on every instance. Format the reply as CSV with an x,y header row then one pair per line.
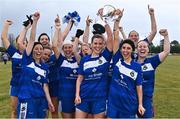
x,y
107,13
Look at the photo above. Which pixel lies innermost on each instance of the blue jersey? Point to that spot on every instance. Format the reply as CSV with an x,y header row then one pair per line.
x,y
122,94
16,58
53,72
67,80
94,86
32,79
148,68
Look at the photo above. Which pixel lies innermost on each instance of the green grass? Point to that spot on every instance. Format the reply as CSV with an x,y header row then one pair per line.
x,y
166,97
167,88
5,76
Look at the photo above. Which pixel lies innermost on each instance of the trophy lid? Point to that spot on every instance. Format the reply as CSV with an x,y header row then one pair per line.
x,y
98,29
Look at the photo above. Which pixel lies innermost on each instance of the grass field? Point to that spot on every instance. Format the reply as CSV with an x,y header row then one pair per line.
x,y
166,98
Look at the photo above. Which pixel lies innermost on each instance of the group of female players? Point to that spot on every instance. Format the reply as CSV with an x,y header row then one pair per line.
x,y
110,77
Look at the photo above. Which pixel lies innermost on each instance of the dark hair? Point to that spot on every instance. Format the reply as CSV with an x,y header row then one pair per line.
x,y
96,36
133,31
128,41
41,35
37,43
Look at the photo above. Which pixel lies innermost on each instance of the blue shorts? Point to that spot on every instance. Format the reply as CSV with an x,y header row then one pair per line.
x,y
148,105
14,90
32,108
92,107
53,88
67,106
114,113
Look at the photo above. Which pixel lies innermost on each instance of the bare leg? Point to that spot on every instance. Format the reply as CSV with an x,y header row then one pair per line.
x,y
100,115
14,102
80,114
68,115
55,102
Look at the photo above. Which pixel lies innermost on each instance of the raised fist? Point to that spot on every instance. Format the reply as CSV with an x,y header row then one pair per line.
x,y
151,10
163,32
88,21
36,16
57,22
8,22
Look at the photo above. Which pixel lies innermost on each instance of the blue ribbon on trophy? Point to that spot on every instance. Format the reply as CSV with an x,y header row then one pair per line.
x,y
74,16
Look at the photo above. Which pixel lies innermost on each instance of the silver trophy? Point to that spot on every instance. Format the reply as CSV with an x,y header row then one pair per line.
x,y
107,13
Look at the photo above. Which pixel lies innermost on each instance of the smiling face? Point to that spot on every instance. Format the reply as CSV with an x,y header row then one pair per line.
x,y
44,40
97,45
134,36
46,54
86,50
126,51
142,49
37,52
68,50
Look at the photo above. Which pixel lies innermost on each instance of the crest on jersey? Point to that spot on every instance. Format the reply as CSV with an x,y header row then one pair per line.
x,y
94,70
100,61
74,71
132,74
145,67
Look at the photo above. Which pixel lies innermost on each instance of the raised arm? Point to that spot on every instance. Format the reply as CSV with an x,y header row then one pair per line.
x,y
4,35
166,46
67,29
109,42
22,37
75,50
122,33
57,38
87,29
153,25
116,31
76,42
30,44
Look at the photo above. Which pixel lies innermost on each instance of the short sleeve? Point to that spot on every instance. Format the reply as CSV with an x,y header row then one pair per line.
x,y
11,50
81,65
139,76
107,54
155,61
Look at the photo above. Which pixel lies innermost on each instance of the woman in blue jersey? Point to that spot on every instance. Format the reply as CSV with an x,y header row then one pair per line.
x,y
92,81
49,58
16,57
125,93
33,96
149,65
134,35
67,68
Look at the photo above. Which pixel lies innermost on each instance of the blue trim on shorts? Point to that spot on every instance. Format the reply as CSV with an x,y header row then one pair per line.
x,y
14,90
